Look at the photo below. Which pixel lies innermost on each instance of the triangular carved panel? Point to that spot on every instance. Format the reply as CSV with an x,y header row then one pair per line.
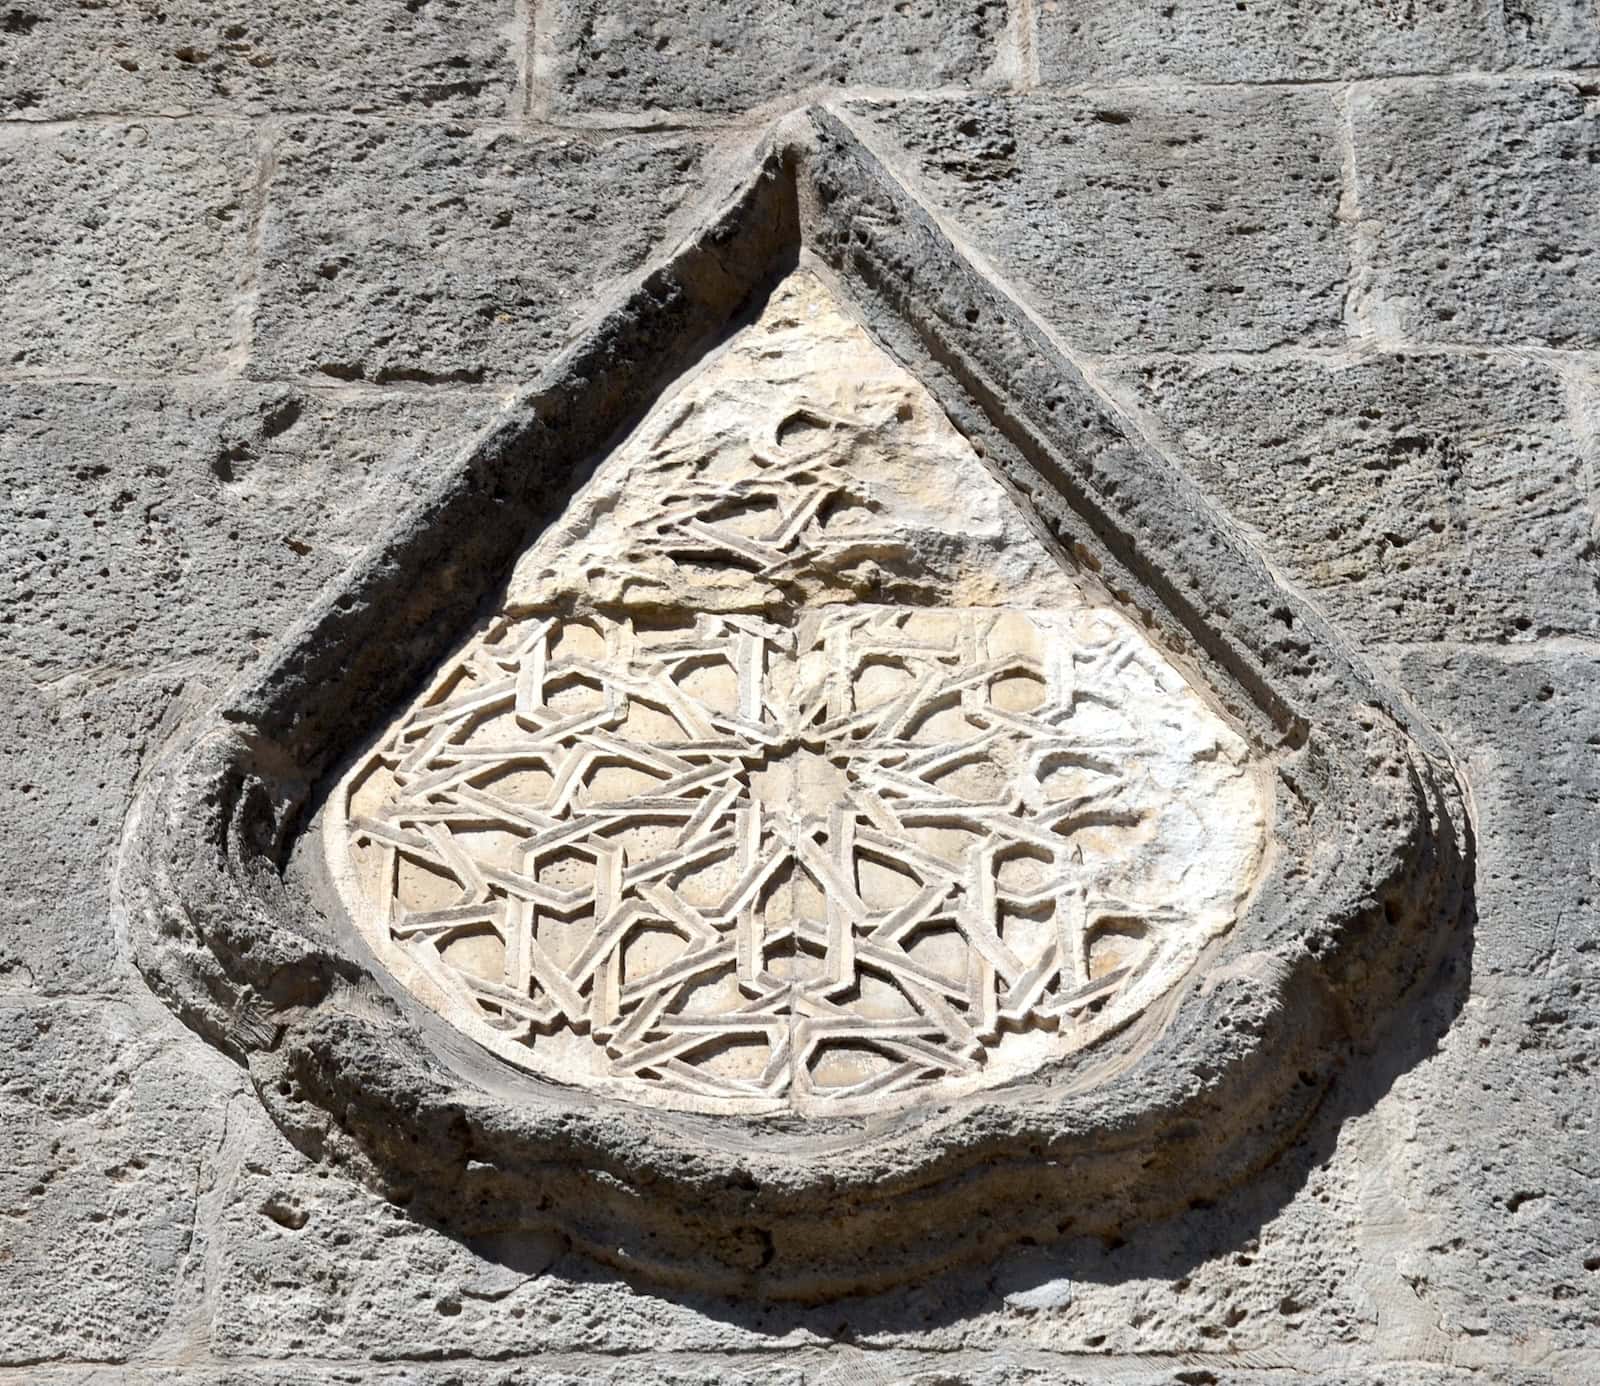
x,y
851,733
793,770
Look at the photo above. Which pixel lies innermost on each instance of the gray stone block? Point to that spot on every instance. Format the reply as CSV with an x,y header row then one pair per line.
x,y
310,1267
364,1279
126,245
1499,1248
566,1369
1479,205
61,59
1496,1162
1140,219
720,56
102,1138
1222,41
840,1365
161,526
1526,728
1419,498
156,537
435,254
1550,33
56,936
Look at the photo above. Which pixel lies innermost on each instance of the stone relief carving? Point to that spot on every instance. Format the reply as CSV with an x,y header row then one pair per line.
x,y
1319,814
793,772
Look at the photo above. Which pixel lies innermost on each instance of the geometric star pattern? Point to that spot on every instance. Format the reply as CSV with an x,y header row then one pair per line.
x,y
696,820
625,820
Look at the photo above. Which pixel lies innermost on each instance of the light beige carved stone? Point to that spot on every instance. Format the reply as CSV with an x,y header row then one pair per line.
x,y
793,772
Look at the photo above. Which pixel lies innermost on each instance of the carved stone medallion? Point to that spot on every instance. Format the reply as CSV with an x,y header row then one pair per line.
x,y
793,770
811,796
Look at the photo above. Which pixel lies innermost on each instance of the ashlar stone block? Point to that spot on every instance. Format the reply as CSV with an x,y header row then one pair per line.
x,y
1478,200
435,254
214,498
723,56
1527,724
103,1136
1144,220
126,245
1420,497
62,59
155,536
1224,41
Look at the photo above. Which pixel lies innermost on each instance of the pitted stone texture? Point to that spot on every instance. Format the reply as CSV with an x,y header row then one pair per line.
x,y
1528,729
794,770
839,1365
1495,1196
56,939
1144,220
59,58
312,1268
238,502
1478,204
156,537
431,253
1494,1159
1550,33
125,245
309,1267
1224,41
1420,497
723,56
101,1137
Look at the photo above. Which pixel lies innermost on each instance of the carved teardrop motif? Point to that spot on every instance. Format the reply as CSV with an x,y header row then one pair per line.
x,y
793,772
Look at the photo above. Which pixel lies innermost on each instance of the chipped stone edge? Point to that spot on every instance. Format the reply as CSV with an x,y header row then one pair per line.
x,y
1370,882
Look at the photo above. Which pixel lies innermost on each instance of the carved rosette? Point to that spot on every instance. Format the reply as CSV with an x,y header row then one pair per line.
x,y
874,812
694,822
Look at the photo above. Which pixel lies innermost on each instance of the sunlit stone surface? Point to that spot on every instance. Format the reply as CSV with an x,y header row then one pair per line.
x,y
794,772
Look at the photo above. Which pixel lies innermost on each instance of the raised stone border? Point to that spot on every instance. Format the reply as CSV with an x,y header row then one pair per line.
x,y
1370,878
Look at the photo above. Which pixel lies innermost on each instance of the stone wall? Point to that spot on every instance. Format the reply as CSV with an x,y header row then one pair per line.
x,y
261,272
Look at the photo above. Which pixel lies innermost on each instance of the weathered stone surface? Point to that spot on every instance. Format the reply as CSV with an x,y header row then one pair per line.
x,y
838,1365
1222,41
1477,212
313,1268
56,939
719,56
1550,33
1492,1159
1143,220
157,536
1434,1227
433,253
126,245
1420,497
103,1128
1526,727
1498,1248
237,503
58,58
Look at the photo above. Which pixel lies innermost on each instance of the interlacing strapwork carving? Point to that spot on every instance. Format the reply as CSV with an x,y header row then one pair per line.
x,y
757,795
